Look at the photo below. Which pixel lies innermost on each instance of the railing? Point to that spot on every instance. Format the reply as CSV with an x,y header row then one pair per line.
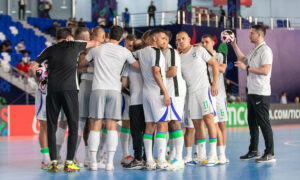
x,y
179,17
13,76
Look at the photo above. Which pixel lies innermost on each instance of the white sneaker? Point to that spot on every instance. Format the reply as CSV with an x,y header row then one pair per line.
x,y
176,164
189,161
211,161
162,165
202,160
227,160
150,165
102,164
93,166
109,167
222,159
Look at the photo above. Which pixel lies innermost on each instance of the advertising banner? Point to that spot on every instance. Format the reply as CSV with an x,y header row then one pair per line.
x,y
237,115
3,120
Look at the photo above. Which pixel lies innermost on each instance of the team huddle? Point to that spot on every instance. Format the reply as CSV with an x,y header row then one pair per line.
x,y
156,91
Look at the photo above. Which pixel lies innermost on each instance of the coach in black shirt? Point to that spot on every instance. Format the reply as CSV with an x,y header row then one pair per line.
x,y
62,91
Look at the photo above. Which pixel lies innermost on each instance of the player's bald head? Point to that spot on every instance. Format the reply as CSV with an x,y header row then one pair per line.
x,y
98,34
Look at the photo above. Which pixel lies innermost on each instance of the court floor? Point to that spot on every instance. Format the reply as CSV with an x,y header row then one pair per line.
x,y
20,159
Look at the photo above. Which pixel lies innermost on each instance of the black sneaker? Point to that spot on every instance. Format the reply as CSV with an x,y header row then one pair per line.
x,y
266,158
250,155
135,164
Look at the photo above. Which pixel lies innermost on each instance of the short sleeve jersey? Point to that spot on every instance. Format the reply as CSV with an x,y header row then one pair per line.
x,y
221,59
259,84
149,57
135,84
62,65
176,86
194,68
109,60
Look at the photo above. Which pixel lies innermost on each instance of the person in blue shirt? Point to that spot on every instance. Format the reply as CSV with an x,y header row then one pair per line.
x,y
126,18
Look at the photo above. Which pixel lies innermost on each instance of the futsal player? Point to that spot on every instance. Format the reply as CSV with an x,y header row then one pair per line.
x,y
125,129
106,98
156,100
176,89
221,105
201,108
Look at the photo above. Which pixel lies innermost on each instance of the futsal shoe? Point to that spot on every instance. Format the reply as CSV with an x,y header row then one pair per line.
x,y
162,166
176,164
135,164
126,160
53,167
93,166
109,167
150,165
250,155
202,160
211,161
189,161
102,164
222,159
227,160
44,165
71,167
266,158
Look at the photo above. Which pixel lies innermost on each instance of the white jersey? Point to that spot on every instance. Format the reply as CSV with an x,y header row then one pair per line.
x,y
109,60
88,75
135,84
194,68
175,85
149,57
221,59
259,84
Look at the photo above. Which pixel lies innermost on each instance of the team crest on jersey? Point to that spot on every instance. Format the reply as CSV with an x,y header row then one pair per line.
x,y
194,54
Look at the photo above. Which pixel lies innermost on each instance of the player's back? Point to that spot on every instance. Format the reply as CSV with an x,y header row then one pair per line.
x,y
109,62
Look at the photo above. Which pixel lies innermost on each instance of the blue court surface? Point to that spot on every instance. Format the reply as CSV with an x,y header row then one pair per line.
x,y
20,159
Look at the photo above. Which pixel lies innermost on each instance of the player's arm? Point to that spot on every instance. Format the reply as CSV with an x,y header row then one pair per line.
x,y
159,81
215,70
132,61
171,72
92,43
240,55
223,66
82,63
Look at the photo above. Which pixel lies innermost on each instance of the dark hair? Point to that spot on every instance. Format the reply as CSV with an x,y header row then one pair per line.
x,y
63,33
138,45
146,35
80,30
260,27
156,31
130,37
208,36
169,34
116,33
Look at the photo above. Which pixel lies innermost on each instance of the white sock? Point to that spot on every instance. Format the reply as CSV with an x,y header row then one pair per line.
x,y
46,157
179,142
148,146
161,146
124,137
112,143
221,150
93,143
86,157
189,151
213,149
202,150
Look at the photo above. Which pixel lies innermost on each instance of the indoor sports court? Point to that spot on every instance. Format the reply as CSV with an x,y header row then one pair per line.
x,y
149,89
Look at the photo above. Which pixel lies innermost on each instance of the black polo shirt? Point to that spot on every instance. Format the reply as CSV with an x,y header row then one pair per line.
x,y
62,65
